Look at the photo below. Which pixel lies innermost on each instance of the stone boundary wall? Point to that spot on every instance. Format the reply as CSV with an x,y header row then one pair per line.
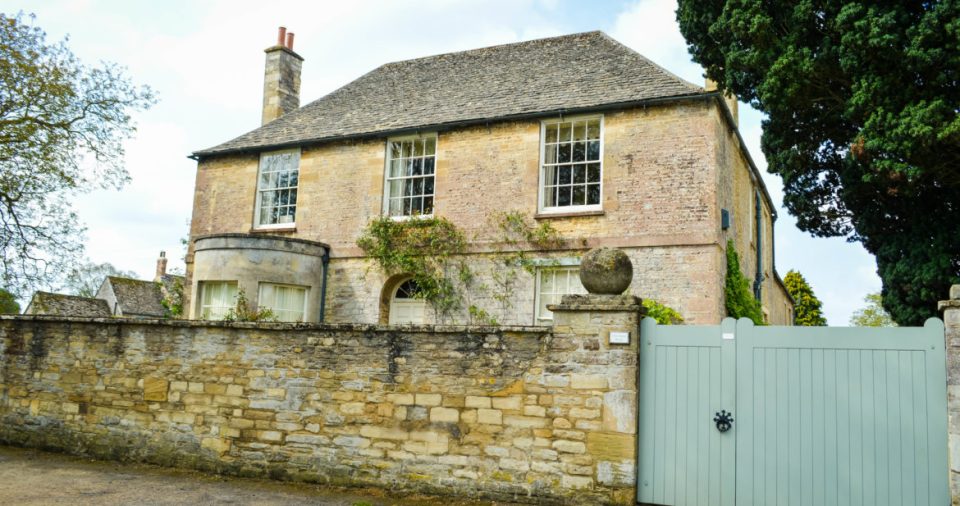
x,y
508,412
951,321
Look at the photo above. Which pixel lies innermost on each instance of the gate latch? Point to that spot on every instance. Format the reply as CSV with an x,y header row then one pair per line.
x,y
723,420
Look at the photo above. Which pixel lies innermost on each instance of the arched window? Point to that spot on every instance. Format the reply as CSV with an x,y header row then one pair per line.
x,y
404,307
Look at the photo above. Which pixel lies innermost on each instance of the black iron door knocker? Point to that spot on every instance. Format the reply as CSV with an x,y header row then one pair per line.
x,y
723,420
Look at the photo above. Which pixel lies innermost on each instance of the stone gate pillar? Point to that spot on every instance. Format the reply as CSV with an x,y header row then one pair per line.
x,y
951,320
599,336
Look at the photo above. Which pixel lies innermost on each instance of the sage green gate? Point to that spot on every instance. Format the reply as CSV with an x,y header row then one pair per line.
x,y
821,415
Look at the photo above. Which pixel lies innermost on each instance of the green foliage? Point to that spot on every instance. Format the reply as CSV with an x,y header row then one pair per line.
x,y
808,308
516,237
62,128
861,101
8,303
873,314
739,298
426,248
85,278
173,299
665,315
245,312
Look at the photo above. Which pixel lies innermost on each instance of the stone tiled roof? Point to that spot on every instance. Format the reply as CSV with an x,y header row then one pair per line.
x,y
46,303
136,297
561,74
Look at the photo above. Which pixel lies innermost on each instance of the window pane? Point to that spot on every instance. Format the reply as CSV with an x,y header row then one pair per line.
x,y
552,132
431,146
593,194
565,132
428,205
564,177
407,149
550,153
418,186
396,168
417,148
428,165
579,195
563,196
416,205
593,150
428,186
593,129
396,207
579,151
564,154
593,173
550,196
579,131
394,150
417,167
408,168
579,173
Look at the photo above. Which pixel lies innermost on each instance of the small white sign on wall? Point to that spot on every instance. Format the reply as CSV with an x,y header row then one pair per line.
x,y
619,337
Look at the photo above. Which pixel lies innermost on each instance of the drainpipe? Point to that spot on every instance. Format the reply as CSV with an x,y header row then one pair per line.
x,y
758,279
323,285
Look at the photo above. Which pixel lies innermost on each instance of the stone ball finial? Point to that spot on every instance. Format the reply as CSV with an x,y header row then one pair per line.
x,y
606,271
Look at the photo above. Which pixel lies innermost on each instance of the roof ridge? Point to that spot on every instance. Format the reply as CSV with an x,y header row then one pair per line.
x,y
500,46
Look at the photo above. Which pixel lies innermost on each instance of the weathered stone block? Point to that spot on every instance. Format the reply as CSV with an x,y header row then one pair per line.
x,y
472,401
444,415
490,416
428,399
155,389
611,447
567,446
509,403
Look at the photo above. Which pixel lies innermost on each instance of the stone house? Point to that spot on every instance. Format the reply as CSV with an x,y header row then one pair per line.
x,y
116,296
576,131
58,304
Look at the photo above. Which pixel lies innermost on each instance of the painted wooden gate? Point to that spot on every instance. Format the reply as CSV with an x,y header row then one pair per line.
x,y
821,416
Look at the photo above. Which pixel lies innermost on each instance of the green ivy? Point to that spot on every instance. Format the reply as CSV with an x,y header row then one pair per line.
x,y
425,248
665,315
740,300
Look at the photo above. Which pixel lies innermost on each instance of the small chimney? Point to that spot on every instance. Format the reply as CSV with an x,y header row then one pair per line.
x,y
161,266
281,78
729,98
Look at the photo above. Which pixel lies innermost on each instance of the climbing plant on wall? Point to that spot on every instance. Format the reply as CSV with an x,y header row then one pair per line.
x,y
426,248
739,299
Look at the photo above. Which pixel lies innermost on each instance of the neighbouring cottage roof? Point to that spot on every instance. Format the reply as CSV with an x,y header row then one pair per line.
x,y
47,303
560,74
136,297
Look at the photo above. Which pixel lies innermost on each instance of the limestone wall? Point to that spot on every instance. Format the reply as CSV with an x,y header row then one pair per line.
x,y
495,412
951,321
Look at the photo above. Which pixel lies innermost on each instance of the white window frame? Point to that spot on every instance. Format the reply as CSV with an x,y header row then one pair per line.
x,y
538,293
257,209
541,207
386,173
203,286
276,312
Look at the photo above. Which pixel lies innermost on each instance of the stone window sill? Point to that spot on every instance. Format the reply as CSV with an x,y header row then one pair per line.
x,y
279,230
576,214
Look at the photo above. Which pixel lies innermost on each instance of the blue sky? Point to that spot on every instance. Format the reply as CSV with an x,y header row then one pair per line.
x,y
205,61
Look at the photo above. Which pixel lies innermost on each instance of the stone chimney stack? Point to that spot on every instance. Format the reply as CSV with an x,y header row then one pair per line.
x,y
161,266
729,98
281,78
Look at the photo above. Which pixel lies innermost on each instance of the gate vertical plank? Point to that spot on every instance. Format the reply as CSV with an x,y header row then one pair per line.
x,y
923,450
806,405
769,474
895,420
817,401
831,456
937,391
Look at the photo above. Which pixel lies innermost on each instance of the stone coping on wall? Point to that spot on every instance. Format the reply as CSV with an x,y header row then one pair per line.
x,y
260,241
362,327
